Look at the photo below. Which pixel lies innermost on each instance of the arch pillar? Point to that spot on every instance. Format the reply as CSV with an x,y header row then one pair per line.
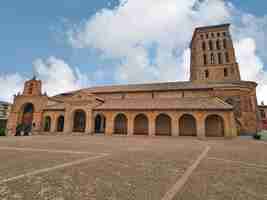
x,y
130,124
230,125
109,123
89,122
151,124
200,120
175,124
53,123
68,122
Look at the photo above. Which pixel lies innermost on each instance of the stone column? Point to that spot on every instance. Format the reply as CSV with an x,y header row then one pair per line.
x,y
109,123
89,122
151,124
68,122
200,120
175,125
230,129
53,123
130,125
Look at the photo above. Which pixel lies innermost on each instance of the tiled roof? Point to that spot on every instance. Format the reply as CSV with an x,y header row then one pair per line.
x,y
211,103
59,106
167,86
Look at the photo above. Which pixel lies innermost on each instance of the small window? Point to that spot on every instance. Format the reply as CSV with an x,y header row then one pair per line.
x,y
225,71
219,58
212,60
218,45
207,35
202,36
218,34
207,74
225,44
203,46
210,45
205,59
227,57
263,115
224,33
212,35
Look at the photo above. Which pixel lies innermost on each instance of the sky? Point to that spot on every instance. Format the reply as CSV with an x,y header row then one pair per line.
x,y
75,44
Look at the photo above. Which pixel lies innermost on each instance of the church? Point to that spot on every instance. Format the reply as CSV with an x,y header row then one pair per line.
x,y
215,102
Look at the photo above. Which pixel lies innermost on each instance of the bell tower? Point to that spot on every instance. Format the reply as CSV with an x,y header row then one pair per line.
x,y
32,87
213,55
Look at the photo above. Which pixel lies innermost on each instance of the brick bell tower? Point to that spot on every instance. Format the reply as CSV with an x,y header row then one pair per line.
x,y
32,87
212,55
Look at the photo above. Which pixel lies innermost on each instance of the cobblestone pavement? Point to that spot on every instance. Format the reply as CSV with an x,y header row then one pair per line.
x,y
128,168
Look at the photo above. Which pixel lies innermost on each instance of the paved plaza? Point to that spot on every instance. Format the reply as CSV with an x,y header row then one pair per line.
x,y
131,168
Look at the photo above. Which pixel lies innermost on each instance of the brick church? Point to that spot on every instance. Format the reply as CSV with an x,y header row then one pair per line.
x,y
214,103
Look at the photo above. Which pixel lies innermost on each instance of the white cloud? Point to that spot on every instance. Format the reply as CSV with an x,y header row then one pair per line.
x,y
127,32
56,75
10,84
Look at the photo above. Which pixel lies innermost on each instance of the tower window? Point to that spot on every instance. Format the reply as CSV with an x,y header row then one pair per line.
x,y
202,36
218,44
205,59
212,34
207,35
218,34
225,44
212,60
207,74
219,58
227,57
225,71
210,45
203,46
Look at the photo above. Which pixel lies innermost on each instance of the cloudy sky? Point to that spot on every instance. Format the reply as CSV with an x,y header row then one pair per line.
x,y
75,44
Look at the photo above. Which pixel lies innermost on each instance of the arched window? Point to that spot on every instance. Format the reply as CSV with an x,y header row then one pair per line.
x,y
120,124
227,57
163,125
79,121
205,59
210,45
212,59
47,124
225,72
214,126
219,58
187,125
224,43
204,46
206,73
60,124
218,45
100,123
141,125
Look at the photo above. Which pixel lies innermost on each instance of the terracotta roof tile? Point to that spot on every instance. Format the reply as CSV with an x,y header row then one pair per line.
x,y
163,104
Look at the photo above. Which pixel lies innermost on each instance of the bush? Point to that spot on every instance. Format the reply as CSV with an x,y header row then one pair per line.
x,y
2,132
257,136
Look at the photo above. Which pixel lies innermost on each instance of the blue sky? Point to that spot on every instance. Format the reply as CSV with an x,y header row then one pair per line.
x,y
32,30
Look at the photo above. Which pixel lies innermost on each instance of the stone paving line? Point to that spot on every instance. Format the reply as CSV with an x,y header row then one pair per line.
x,y
170,194
244,164
50,151
61,166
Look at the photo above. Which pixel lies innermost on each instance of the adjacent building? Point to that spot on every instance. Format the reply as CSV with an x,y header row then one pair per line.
x,y
4,113
215,102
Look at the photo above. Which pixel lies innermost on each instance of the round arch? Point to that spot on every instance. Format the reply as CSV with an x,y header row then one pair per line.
x,y
60,123
188,125
79,121
120,124
163,125
214,126
141,125
100,123
47,124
